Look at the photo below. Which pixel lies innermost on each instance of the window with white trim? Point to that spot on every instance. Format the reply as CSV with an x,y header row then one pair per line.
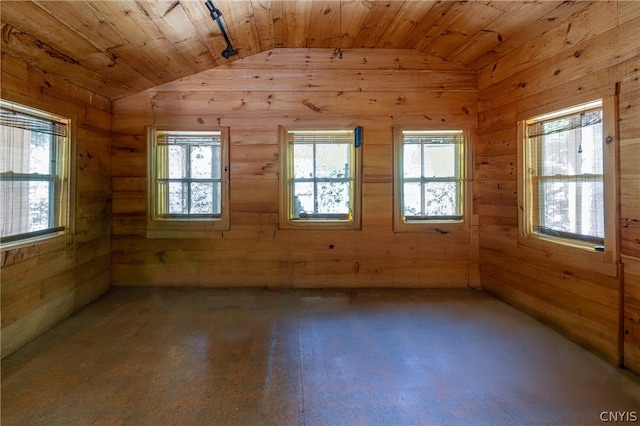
x,y
34,173
320,179
429,178
188,171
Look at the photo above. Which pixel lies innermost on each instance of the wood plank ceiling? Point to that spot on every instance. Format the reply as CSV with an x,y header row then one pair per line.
x,y
117,48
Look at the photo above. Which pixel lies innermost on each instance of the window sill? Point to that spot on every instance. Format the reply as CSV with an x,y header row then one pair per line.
x,y
55,238
320,224
441,227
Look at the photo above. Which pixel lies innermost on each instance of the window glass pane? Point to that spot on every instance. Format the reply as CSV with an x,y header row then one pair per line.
x,y
30,189
412,161
201,157
191,162
333,197
40,155
202,199
303,161
14,157
177,162
412,199
574,207
332,160
441,199
303,196
566,163
573,152
439,160
39,206
432,176
178,196
320,187
216,159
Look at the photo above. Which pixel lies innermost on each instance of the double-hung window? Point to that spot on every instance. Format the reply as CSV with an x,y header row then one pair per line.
x,y
188,182
429,179
566,160
34,182
320,185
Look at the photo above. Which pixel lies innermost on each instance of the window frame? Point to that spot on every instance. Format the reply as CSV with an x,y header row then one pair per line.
x,y
286,220
463,167
186,226
564,244
62,179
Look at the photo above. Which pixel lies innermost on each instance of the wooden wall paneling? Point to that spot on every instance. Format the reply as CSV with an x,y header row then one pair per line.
x,y
45,282
581,329
229,104
229,79
629,111
566,289
630,166
631,319
359,59
255,251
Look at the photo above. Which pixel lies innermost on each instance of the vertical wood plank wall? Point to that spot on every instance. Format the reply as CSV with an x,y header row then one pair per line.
x,y
45,282
376,89
587,55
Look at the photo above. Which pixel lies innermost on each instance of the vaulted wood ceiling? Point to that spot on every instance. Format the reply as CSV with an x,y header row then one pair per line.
x,y
116,48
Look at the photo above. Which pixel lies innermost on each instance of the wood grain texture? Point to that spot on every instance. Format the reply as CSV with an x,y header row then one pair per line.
x,y
580,297
116,49
45,282
253,101
632,313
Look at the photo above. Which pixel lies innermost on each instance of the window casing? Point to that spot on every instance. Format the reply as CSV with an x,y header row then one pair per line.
x,y
34,174
430,179
567,177
188,181
321,178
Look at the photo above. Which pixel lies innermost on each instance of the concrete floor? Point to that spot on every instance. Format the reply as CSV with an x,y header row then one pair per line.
x,y
148,356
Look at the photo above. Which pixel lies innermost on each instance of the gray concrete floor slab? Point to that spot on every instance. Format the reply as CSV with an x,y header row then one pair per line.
x,y
152,356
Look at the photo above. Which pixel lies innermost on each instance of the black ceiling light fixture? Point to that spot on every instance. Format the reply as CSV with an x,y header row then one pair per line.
x,y
216,15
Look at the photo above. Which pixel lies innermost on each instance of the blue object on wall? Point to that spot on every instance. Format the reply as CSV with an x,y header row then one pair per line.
x,y
357,133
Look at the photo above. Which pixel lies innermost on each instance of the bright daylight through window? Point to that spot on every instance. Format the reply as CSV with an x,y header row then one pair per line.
x,y
429,177
321,178
188,175
564,174
33,163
